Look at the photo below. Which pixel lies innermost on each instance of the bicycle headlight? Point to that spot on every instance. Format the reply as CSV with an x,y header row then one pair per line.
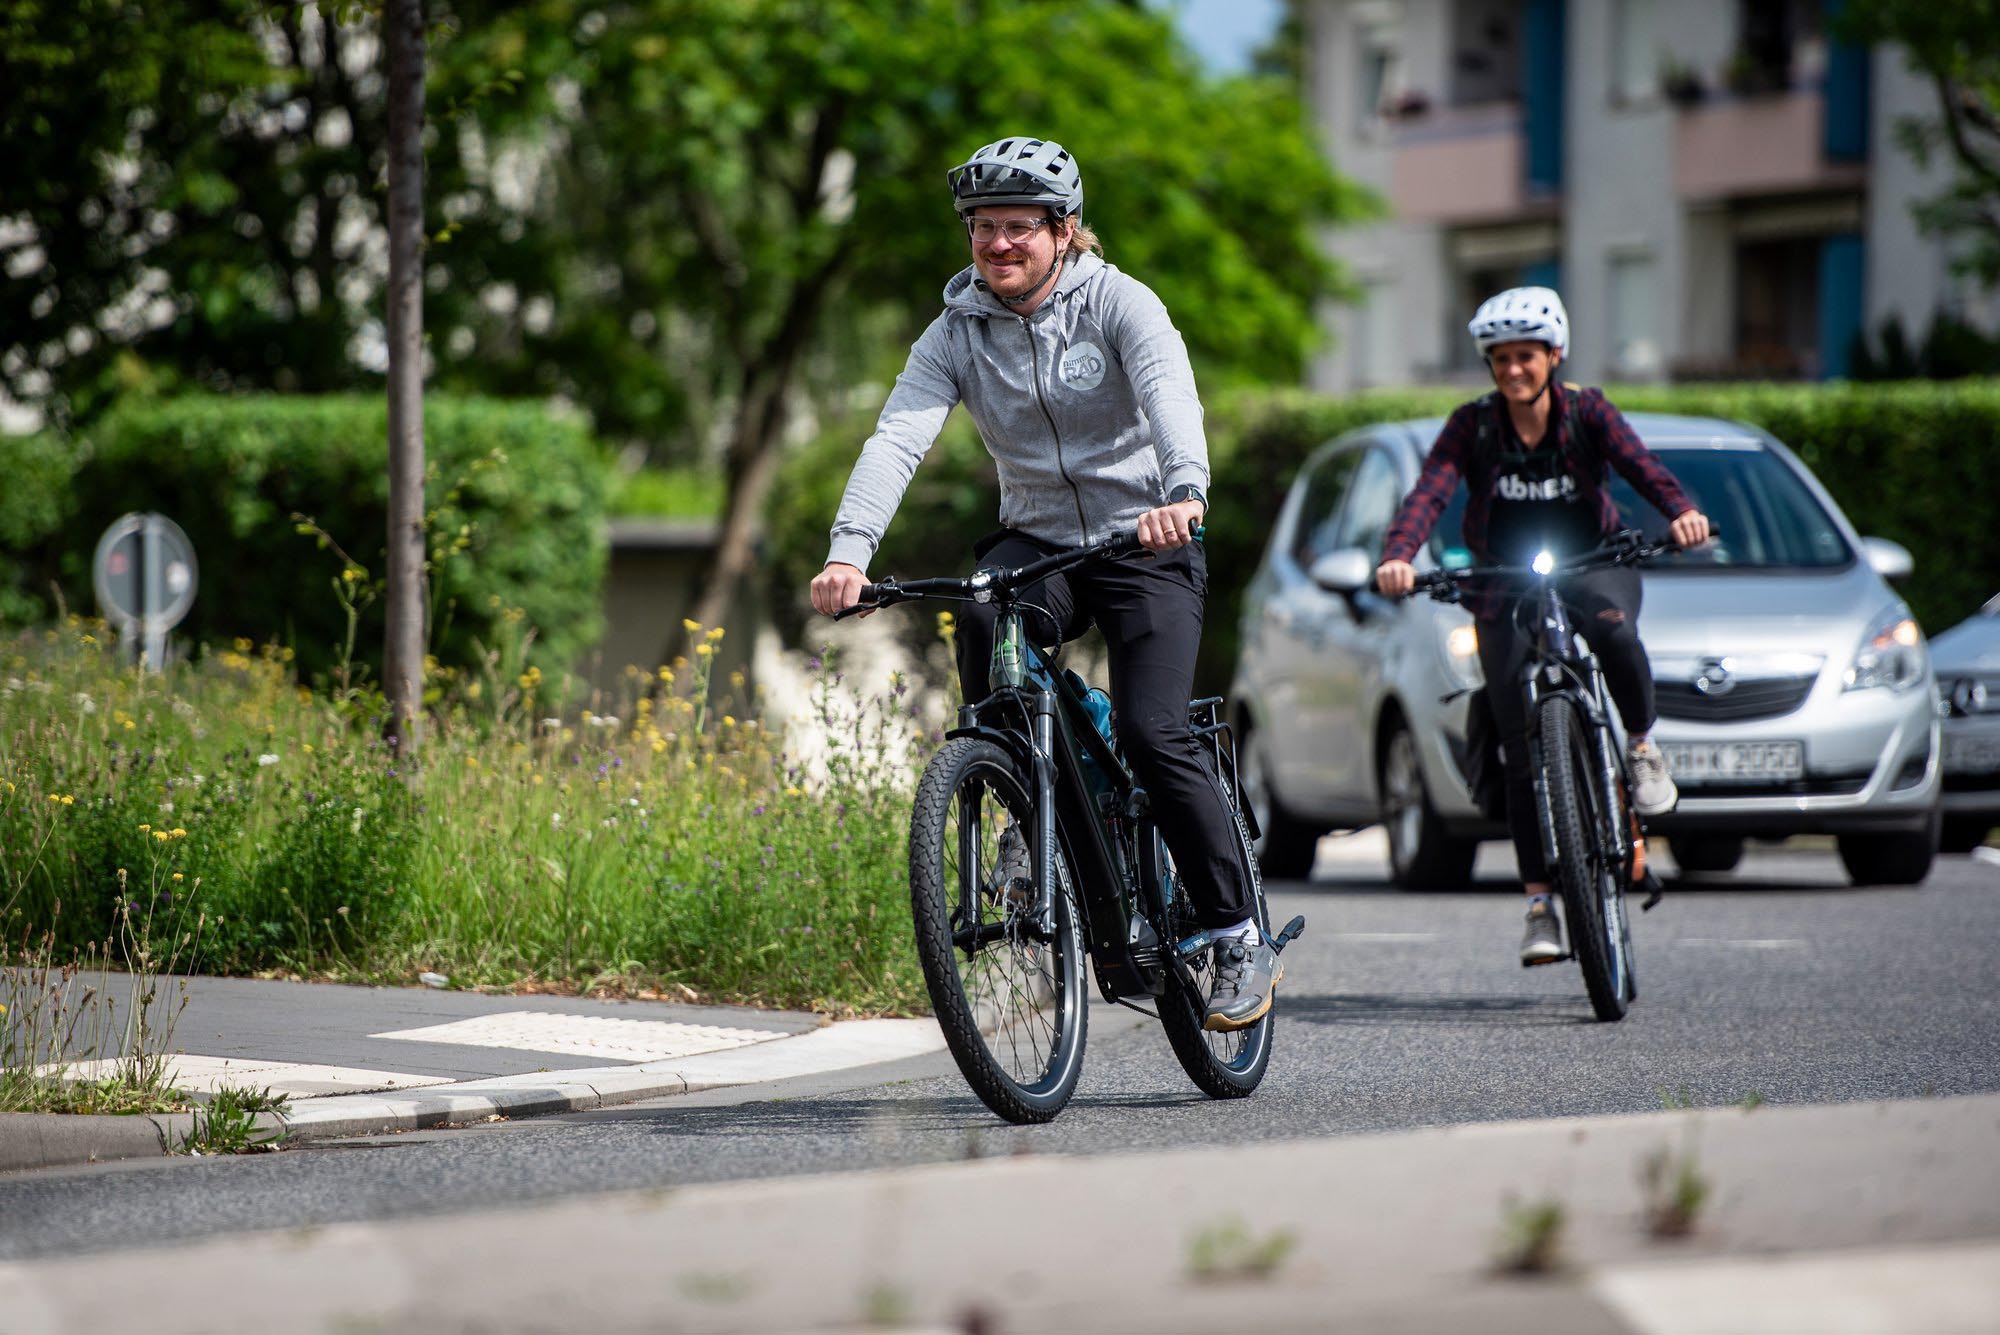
x,y
1892,654
1458,646
1545,561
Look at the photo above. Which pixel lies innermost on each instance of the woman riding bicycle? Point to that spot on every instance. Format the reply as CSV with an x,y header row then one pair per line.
x,y
1082,392
1533,455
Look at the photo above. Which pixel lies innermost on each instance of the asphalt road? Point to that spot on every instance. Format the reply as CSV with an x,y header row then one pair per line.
x,y
1779,983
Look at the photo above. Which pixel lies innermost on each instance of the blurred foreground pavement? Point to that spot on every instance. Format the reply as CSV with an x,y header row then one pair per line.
x,y
1879,1217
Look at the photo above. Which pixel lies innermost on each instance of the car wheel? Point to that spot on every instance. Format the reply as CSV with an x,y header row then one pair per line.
x,y
1706,852
1889,859
1423,855
1285,846
1962,834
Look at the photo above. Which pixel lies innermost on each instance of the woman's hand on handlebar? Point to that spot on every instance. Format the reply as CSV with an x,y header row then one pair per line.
x,y
1690,528
837,588
1395,579
1170,526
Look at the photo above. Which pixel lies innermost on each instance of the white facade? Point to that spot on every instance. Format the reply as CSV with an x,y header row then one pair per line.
x,y
1716,232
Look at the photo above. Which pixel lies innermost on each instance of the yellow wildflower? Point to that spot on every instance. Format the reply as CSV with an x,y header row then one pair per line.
x,y
704,651
659,745
472,762
667,675
162,835
179,833
69,800
144,828
351,574
715,635
307,747
728,720
177,876
690,625
535,779
242,644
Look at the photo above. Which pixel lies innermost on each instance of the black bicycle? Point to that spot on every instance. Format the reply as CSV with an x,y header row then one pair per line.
x,y
1031,845
1593,839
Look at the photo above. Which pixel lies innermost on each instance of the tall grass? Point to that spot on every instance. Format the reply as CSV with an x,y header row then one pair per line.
x,y
662,841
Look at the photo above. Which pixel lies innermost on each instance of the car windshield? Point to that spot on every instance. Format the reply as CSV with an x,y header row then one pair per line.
x,y
1767,517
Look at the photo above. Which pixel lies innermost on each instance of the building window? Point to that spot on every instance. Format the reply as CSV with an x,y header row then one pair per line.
x,y
1486,52
1635,317
1381,74
1777,307
1780,44
1635,68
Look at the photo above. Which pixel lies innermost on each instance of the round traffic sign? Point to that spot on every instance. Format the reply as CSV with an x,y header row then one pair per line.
x,y
144,573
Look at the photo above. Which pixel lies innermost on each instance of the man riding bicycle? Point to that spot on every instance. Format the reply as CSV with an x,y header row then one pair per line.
x,y
1082,392
1533,454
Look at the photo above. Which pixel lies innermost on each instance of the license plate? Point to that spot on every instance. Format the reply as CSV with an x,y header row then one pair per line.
x,y
1971,755
1734,762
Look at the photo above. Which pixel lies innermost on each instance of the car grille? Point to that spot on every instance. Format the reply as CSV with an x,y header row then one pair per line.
x,y
1766,697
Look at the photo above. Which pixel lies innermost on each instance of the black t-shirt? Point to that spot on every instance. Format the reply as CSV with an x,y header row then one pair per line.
x,y
1537,502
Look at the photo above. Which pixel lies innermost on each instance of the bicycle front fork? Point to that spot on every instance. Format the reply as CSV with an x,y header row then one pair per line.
x,y
1043,714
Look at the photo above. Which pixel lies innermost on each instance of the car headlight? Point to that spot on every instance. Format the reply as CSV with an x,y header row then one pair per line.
x,y
1892,654
1458,646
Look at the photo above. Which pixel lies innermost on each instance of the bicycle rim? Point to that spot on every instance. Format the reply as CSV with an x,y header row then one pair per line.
x,y
1222,1065
1585,872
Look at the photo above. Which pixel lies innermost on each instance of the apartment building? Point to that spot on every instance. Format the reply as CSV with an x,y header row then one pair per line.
x,y
1714,185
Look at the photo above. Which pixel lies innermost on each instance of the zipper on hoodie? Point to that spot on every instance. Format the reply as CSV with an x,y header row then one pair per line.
x,y
1035,367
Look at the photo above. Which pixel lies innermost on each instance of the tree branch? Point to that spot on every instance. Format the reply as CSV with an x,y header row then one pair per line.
x,y
1950,95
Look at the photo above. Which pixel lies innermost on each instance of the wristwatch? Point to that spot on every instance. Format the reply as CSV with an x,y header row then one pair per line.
x,y
1188,492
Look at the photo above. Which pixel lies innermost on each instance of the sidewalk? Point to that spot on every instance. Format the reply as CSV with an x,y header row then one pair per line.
x,y
359,1060
1862,1217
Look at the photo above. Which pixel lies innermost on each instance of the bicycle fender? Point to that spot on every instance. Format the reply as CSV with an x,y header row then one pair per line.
x,y
1012,743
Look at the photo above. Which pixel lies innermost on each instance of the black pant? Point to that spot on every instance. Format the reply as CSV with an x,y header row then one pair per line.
x,y
1604,609
1150,611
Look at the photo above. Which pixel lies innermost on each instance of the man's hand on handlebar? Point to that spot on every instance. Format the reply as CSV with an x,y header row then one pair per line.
x,y
1690,528
1170,526
837,588
1395,579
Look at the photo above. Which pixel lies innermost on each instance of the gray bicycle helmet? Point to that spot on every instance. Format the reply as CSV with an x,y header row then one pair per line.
x,y
1018,171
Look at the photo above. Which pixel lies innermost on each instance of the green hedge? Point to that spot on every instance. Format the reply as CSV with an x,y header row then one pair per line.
x,y
1916,462
515,498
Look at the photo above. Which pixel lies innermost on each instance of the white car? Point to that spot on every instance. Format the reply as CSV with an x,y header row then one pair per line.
x,y
1795,692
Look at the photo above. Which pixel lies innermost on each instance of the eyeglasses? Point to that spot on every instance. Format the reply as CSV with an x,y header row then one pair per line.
x,y
1016,230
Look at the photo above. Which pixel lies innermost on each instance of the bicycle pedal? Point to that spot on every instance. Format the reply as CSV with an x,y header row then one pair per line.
x,y
1290,934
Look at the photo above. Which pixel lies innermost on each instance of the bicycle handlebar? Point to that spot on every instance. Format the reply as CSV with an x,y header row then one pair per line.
x,y
1628,547
891,590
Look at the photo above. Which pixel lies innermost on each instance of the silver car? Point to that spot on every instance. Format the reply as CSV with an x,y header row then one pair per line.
x,y
1968,675
1795,692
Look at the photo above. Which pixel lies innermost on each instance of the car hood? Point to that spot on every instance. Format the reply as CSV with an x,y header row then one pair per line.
x,y
1973,645
1714,614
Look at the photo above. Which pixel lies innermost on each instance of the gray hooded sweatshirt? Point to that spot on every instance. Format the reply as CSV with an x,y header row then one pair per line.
x,y
1087,405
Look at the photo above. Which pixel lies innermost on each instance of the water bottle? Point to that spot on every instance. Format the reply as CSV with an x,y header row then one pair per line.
x,y
1007,656
1098,706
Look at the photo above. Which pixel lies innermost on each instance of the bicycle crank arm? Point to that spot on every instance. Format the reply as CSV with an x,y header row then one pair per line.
x,y
1192,946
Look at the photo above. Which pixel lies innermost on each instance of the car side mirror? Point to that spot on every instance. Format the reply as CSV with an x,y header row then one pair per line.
x,y
1890,560
1345,572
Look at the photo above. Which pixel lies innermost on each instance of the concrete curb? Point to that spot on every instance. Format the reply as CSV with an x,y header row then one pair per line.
x,y
837,1047
49,1140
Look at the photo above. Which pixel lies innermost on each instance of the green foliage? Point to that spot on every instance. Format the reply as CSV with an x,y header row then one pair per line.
x,y
1953,46
227,1122
35,508
1887,452
1531,1236
672,846
1228,1252
669,493
515,497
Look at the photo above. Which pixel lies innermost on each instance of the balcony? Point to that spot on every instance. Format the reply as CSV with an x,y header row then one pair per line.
x,y
1461,165
1758,146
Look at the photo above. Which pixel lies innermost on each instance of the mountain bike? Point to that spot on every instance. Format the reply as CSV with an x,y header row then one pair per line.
x,y
1032,845
1593,840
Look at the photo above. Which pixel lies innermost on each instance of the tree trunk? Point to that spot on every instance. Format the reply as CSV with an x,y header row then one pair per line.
x,y
752,467
403,654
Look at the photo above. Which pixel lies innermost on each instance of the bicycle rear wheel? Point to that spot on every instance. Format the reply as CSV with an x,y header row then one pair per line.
x,y
1585,870
1222,1065
1011,1005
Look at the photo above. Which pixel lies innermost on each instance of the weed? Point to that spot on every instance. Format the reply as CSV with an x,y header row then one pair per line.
x,y
885,1305
1675,1191
1752,1101
1530,1236
716,1286
228,1123
1675,1100
1228,1252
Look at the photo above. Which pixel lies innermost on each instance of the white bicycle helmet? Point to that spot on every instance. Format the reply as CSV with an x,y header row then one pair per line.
x,y
1018,170
1521,313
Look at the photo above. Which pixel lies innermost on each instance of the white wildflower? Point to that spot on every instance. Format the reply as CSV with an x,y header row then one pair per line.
x,y
267,759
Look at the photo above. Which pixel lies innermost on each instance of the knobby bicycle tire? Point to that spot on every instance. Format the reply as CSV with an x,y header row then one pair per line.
x,y
986,1036
1222,1065
1580,869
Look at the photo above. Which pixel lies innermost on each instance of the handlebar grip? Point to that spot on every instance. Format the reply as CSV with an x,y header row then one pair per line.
x,y
869,593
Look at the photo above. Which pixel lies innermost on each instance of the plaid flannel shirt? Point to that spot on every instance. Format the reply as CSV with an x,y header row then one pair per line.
x,y
1454,456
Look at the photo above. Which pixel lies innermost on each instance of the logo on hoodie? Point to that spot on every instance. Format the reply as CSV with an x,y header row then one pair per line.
x,y
1083,367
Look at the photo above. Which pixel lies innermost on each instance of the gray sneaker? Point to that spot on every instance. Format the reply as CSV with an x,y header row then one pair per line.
x,y
1246,980
1544,942
1014,875
1653,790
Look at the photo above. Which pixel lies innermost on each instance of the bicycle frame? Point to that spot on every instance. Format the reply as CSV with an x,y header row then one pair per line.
x,y
1557,668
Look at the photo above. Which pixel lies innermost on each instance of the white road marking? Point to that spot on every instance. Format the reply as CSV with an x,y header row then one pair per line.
x,y
1744,943
600,1036
1936,1290
1984,854
301,1080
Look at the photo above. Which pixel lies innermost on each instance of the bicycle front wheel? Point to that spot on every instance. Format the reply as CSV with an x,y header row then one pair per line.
x,y
1011,1004
1585,869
